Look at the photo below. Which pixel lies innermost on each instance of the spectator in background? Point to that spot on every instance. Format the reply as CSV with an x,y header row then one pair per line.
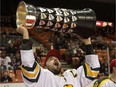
x,y
6,77
10,49
41,50
14,65
4,40
56,40
6,61
75,62
18,60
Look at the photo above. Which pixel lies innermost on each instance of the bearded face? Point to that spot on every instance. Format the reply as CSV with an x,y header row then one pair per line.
x,y
54,65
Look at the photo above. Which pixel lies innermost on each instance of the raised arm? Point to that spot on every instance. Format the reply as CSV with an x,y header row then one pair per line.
x,y
91,58
91,66
27,56
30,68
90,69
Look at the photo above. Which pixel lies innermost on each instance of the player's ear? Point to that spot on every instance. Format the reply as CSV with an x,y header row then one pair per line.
x,y
46,63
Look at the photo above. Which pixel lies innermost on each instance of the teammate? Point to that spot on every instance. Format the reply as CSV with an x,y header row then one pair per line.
x,y
109,81
36,76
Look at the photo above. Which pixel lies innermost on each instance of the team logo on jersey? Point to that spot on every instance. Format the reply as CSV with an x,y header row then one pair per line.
x,y
68,85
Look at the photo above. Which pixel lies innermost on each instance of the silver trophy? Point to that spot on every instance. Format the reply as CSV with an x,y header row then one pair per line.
x,y
82,22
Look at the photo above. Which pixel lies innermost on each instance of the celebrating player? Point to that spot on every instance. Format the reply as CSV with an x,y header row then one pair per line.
x,y
36,76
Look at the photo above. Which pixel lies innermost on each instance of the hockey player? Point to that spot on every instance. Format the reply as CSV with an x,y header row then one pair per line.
x,y
109,81
36,76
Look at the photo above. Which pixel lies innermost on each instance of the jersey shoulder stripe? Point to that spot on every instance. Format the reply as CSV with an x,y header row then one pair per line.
x,y
90,73
29,68
31,73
